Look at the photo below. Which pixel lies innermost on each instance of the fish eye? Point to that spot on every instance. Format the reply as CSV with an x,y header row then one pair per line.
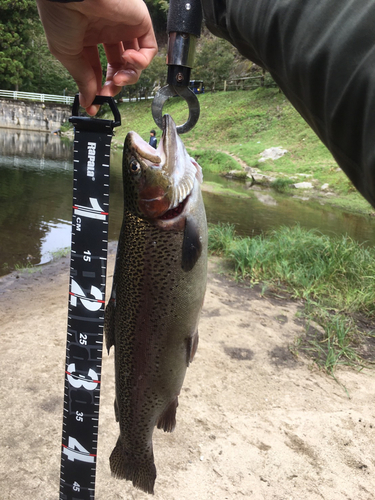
x,y
134,166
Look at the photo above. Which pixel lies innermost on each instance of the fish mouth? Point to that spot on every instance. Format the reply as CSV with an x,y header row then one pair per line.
x,y
177,166
166,184
173,213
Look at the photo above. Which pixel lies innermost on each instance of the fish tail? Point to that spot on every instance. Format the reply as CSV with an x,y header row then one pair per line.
x,y
125,465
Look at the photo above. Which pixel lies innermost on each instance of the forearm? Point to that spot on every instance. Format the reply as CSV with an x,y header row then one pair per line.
x,y
322,54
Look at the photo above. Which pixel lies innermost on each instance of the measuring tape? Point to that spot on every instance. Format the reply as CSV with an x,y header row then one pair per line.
x,y
92,142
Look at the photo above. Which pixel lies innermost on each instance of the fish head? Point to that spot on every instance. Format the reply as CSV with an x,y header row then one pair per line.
x,y
158,182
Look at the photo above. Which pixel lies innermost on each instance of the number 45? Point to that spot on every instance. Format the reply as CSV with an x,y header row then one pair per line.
x,y
76,486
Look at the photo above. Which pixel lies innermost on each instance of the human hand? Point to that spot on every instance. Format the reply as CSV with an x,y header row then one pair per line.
x,y
75,29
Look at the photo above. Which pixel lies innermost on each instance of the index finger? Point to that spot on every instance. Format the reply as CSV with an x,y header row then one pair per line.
x,y
141,58
84,70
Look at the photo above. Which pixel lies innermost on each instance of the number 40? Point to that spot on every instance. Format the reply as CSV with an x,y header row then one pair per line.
x,y
75,451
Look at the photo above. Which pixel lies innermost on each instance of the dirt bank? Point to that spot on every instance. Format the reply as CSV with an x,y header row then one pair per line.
x,y
253,422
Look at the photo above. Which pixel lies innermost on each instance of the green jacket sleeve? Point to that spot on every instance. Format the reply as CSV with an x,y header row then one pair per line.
x,y
322,55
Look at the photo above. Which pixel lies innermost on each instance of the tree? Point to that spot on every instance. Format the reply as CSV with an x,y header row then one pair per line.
x,y
16,25
49,75
158,11
214,61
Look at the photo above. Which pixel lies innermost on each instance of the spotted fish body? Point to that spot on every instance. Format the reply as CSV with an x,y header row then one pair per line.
x,y
157,295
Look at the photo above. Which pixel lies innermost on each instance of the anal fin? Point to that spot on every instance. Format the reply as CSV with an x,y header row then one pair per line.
x,y
191,347
167,420
109,323
117,413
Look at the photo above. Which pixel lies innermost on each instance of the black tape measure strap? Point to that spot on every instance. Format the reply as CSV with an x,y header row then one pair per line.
x,y
92,142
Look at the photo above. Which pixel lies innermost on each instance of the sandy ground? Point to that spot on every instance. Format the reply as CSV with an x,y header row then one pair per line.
x,y
253,421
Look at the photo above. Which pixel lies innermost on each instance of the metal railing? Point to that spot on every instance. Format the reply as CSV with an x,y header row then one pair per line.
x,y
15,94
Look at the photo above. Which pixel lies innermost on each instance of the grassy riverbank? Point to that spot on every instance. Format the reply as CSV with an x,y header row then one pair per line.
x,y
235,127
333,276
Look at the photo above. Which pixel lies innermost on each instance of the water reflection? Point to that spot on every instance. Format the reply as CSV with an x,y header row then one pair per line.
x,y
33,145
265,198
36,202
57,237
265,210
35,194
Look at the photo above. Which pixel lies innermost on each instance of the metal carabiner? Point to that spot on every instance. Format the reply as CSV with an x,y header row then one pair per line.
x,y
183,27
170,91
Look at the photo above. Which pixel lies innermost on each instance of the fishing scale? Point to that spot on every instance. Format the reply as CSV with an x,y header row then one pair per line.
x,y
88,266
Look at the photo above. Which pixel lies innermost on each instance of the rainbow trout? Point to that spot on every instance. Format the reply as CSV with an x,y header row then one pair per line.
x,y
158,290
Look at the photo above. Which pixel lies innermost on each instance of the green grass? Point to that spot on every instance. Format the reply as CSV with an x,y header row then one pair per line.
x,y
245,123
61,252
221,238
334,276
27,268
338,345
213,160
282,185
30,268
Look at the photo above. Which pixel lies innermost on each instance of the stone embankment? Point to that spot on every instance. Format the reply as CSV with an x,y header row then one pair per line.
x,y
255,176
36,116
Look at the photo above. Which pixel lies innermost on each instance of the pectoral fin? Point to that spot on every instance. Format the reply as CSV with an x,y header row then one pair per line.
x,y
192,245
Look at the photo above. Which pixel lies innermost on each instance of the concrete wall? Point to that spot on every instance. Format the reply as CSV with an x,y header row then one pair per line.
x,y
37,116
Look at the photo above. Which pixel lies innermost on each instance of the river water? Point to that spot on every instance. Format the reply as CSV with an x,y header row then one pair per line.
x,y
36,198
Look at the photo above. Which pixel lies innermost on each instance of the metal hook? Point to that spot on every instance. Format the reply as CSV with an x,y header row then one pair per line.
x,y
170,91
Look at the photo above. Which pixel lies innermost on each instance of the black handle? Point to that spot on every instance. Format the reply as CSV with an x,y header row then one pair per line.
x,y
99,99
185,16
